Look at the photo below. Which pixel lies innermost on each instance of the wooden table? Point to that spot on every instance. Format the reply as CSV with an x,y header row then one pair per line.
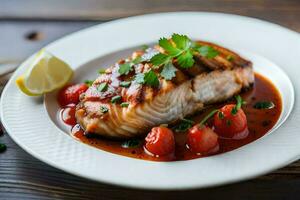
x,y
27,26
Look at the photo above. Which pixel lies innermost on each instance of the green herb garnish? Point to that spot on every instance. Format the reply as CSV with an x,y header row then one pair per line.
x,y
160,59
149,78
239,103
139,78
207,51
89,82
168,71
102,71
182,49
2,147
103,109
212,113
102,87
230,58
184,125
125,84
116,99
228,122
264,105
131,143
221,115
137,60
124,69
124,104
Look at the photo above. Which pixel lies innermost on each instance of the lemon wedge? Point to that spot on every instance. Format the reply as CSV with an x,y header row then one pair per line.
x,y
44,74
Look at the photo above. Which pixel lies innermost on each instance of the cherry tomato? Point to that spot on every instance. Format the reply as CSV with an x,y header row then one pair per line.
x,y
70,94
229,124
160,141
202,140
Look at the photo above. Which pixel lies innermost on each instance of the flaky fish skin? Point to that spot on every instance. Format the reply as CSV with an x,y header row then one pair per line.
x,y
209,81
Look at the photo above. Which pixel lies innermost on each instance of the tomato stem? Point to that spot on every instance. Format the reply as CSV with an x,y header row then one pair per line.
x,y
239,103
208,116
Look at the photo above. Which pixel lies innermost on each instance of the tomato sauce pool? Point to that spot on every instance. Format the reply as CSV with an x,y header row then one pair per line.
x,y
260,121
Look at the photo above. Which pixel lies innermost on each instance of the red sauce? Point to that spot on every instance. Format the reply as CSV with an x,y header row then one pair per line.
x,y
259,123
67,114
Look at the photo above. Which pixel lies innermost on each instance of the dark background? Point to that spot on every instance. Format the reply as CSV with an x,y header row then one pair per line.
x,y
27,25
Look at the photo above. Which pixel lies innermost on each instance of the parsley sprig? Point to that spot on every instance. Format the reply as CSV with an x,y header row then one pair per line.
x,y
181,48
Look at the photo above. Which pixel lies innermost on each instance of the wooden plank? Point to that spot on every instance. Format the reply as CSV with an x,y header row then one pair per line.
x,y
14,42
283,12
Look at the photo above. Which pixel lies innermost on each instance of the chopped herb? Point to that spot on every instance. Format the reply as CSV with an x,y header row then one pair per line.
x,y
131,143
137,60
212,113
103,109
230,58
144,47
264,105
125,84
102,87
139,78
228,122
2,147
239,103
207,51
124,69
124,104
116,99
221,115
184,125
102,71
151,79
89,82
168,71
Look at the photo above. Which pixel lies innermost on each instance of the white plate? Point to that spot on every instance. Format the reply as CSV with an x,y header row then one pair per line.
x,y
28,123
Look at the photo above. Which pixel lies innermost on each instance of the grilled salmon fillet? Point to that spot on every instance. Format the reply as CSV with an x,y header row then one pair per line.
x,y
208,81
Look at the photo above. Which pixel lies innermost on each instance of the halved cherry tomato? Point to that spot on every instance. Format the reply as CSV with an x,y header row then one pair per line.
x,y
70,94
202,139
160,141
229,124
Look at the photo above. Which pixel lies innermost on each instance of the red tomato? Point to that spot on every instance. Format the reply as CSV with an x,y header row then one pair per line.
x,y
70,94
202,140
160,141
231,125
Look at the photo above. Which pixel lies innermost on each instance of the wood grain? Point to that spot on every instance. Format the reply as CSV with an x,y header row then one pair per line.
x,y
24,177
